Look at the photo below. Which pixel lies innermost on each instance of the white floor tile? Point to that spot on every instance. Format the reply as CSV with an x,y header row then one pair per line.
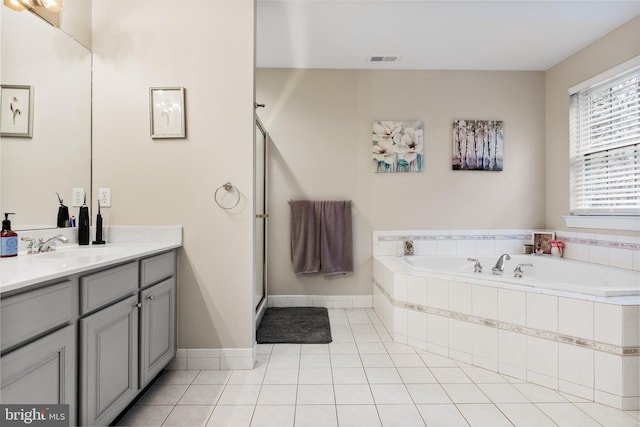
x,y
201,394
212,377
146,415
236,394
450,375
231,416
442,416
525,415
428,393
503,393
353,394
349,376
383,376
400,416
358,416
315,395
390,394
567,415
315,376
484,415
323,384
281,376
278,395
316,416
188,416
273,416
416,375
465,393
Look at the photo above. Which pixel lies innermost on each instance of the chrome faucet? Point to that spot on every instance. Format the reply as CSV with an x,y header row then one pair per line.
x,y
49,245
33,247
517,272
477,268
499,267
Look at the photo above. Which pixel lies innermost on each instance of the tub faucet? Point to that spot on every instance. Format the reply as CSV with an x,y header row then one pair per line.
x,y
517,272
499,267
477,268
49,245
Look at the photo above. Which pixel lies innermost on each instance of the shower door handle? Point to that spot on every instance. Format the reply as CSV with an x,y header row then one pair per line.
x,y
262,216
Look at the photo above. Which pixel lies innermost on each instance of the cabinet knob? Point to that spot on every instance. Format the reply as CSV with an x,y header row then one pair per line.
x,y
137,305
150,297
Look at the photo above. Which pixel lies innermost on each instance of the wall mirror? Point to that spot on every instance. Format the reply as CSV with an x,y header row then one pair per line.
x,y
57,157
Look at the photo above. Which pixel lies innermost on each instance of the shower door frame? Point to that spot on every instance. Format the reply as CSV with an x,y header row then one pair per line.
x,y
260,238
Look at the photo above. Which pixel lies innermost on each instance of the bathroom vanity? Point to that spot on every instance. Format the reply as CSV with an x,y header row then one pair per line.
x,y
93,336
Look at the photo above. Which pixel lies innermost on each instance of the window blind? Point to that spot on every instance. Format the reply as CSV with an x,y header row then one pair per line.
x,y
605,147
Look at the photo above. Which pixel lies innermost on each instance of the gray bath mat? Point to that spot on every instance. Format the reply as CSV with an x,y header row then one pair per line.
x,y
295,325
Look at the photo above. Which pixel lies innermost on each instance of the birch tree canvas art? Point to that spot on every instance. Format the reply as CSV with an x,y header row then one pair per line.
x,y
477,145
398,146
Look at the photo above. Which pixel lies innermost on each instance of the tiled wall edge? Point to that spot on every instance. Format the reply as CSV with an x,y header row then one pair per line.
x,y
213,359
493,323
327,301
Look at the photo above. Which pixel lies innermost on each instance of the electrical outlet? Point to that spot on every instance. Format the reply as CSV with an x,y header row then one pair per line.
x,y
78,197
104,196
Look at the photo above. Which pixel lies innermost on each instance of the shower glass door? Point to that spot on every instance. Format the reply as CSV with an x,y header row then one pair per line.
x,y
260,236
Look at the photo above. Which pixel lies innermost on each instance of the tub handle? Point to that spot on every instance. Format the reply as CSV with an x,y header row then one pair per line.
x,y
477,268
517,272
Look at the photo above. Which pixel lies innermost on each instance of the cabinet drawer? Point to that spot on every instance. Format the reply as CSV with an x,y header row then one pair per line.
x,y
31,313
101,288
156,268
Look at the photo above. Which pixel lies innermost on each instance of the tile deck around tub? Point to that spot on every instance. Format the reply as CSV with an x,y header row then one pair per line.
x,y
363,379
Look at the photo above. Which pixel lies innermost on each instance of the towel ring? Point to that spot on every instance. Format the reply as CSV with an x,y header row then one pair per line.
x,y
228,187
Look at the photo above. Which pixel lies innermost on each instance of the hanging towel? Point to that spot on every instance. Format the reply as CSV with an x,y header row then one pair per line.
x,y
336,241
321,236
305,237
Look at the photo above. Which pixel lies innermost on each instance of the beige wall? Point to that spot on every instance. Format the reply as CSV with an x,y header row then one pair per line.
x,y
615,48
320,125
207,47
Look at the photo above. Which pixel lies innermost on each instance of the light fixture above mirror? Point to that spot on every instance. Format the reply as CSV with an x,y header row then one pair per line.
x,y
49,10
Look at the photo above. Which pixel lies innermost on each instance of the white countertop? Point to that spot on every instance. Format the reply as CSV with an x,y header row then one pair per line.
x,y
123,244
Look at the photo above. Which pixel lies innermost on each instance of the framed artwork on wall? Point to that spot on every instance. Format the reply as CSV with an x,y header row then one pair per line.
x,y
16,111
397,146
167,112
478,145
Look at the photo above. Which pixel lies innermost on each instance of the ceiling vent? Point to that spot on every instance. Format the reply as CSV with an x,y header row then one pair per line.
x,y
383,59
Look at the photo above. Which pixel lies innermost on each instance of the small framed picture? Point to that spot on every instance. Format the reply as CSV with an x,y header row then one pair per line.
x,y
166,105
16,111
541,241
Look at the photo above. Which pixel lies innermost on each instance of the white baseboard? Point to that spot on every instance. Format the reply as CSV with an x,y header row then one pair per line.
x,y
213,359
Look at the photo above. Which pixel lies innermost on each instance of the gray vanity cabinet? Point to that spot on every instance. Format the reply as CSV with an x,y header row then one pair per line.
x,y
42,372
109,358
157,328
38,344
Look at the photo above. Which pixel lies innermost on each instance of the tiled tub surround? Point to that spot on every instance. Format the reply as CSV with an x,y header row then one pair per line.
x,y
615,251
583,345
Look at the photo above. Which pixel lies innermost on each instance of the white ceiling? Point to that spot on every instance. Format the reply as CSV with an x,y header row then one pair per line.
x,y
444,35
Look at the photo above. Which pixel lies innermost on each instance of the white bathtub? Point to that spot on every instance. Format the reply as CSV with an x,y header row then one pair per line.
x,y
547,273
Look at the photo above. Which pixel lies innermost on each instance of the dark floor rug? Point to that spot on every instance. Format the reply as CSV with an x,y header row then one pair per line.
x,y
295,325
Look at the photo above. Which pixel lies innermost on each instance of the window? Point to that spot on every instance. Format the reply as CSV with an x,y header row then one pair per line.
x,y
605,145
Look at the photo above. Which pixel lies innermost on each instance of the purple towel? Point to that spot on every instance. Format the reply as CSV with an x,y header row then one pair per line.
x,y
336,240
321,237
305,237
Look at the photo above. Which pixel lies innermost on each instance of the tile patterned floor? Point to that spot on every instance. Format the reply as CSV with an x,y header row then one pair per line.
x,y
362,379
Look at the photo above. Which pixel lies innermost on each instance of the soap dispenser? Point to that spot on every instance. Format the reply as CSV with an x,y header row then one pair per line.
x,y
8,238
83,223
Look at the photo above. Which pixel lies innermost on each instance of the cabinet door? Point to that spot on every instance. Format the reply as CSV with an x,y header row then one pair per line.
x,y
109,355
157,329
42,372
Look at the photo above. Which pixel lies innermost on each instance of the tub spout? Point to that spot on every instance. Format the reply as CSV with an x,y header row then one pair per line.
x,y
499,267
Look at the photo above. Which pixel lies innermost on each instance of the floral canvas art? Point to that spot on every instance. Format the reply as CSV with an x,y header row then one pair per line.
x,y
398,146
